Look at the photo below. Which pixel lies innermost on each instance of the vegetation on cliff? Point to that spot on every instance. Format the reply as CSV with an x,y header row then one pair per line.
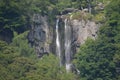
x,y
19,62
97,59
100,59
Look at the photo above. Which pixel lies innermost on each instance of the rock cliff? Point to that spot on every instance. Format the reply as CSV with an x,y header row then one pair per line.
x,y
81,30
43,36
40,36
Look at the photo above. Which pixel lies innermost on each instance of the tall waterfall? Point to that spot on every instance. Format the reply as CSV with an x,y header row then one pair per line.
x,y
67,46
58,49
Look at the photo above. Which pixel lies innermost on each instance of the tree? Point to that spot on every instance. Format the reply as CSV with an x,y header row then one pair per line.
x,y
22,46
99,60
10,16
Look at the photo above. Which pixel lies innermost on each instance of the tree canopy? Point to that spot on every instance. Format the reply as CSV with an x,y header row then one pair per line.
x,y
99,59
96,60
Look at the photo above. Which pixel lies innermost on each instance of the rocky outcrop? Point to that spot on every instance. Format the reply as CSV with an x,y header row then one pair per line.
x,y
81,31
43,37
40,36
68,10
73,33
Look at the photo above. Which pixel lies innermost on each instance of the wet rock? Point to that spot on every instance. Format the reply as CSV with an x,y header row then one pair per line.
x,y
40,35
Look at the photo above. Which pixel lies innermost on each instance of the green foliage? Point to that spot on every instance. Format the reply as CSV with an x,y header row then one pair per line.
x,y
10,16
49,69
15,60
16,15
14,65
21,43
7,53
20,67
96,60
99,18
49,66
99,59
62,4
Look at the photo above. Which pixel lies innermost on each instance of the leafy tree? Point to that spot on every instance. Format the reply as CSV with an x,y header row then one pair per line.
x,y
10,16
99,60
21,66
14,66
5,59
47,68
22,46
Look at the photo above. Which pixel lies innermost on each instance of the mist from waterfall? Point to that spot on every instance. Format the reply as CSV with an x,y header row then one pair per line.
x,y
58,47
67,46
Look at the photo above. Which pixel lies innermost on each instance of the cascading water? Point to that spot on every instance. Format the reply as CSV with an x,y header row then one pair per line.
x,y
58,49
67,46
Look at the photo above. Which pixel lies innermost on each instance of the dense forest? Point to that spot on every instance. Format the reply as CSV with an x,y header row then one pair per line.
x,y
97,59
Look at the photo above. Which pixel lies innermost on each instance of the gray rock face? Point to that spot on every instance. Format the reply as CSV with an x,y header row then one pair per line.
x,y
82,30
40,36
43,37
73,33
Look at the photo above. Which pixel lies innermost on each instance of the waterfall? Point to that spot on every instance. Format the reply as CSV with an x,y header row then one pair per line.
x,y
58,49
67,46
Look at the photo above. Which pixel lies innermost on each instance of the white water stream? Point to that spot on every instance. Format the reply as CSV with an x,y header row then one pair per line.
x,y
67,46
58,47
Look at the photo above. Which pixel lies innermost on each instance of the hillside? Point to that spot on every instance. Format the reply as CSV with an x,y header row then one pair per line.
x,y
59,40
